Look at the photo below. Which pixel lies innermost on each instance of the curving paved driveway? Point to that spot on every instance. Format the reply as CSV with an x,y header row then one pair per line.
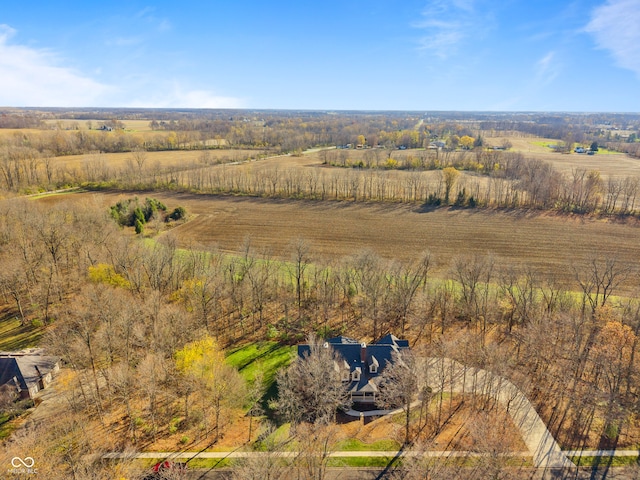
x,y
444,374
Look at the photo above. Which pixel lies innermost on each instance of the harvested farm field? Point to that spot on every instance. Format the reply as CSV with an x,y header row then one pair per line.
x,y
552,245
167,158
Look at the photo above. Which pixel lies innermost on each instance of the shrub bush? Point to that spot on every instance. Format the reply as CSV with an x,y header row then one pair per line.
x,y
178,213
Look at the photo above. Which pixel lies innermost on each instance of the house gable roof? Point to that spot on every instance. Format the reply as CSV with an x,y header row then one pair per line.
x,y
342,341
26,367
379,353
393,340
9,370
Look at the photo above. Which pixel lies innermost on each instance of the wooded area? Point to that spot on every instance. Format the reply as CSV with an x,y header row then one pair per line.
x,y
142,324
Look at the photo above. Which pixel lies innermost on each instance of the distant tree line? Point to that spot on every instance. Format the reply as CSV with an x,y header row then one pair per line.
x,y
27,157
500,179
20,121
583,127
509,181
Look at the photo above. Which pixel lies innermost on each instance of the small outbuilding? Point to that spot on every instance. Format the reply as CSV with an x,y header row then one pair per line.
x,y
27,371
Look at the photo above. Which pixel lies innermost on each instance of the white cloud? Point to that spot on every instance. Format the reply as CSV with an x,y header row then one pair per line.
x,y
177,97
36,77
615,27
466,5
148,15
33,77
6,32
164,25
449,23
124,41
546,69
146,11
533,93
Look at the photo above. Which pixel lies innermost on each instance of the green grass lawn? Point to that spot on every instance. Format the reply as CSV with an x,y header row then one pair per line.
x,y
15,336
372,462
266,356
605,461
6,426
209,462
601,151
604,151
355,445
192,463
545,143
9,421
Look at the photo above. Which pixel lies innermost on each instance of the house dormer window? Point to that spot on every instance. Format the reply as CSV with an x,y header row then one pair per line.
x,y
374,365
345,372
355,375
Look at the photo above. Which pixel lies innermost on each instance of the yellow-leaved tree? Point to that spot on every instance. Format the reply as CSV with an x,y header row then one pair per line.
x,y
105,273
217,386
449,175
467,142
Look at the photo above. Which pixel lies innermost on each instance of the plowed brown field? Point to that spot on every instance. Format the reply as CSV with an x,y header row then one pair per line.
x,y
551,244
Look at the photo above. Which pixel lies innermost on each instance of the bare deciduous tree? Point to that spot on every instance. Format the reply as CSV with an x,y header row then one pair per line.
x,y
311,388
598,278
300,262
399,386
474,273
315,442
405,281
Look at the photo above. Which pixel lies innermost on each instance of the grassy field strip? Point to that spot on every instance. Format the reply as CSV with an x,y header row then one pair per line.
x,y
63,191
286,454
183,159
284,268
602,453
605,461
197,460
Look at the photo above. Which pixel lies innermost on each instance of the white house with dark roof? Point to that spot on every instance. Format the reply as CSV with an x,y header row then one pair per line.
x,y
361,364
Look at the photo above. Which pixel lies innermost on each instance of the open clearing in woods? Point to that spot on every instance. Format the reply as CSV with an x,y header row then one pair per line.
x,y
550,244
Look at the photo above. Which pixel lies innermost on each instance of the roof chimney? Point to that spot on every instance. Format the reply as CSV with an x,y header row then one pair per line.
x,y
363,352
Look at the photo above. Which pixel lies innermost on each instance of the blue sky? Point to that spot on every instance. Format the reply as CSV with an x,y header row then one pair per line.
x,y
512,55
